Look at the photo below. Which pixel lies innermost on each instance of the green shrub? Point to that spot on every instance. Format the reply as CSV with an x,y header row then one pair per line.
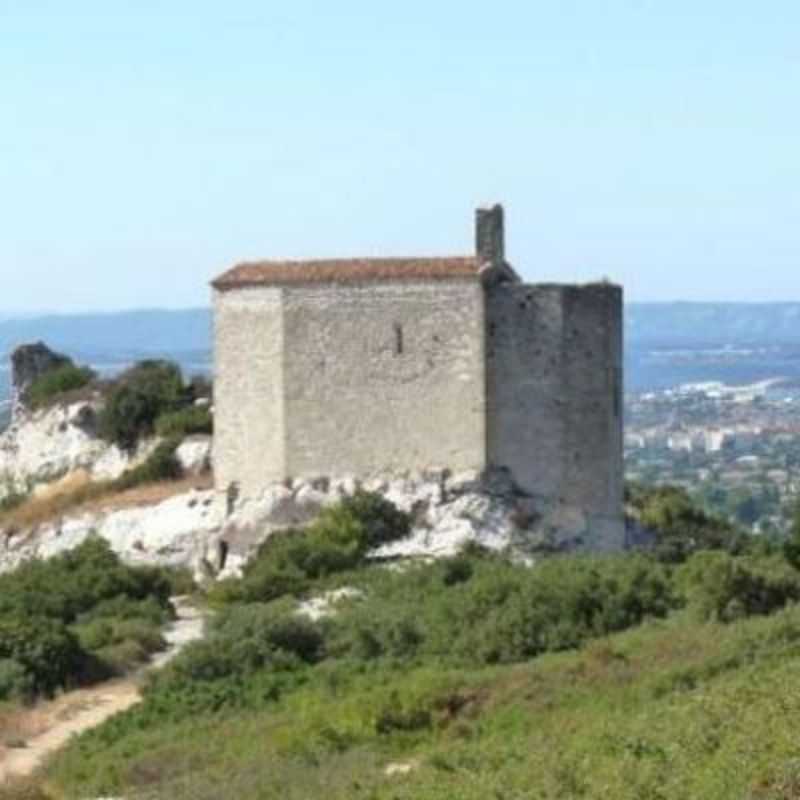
x,y
80,616
381,521
394,717
161,465
151,609
48,652
122,657
679,525
16,682
483,609
55,382
181,581
13,497
101,633
338,540
139,397
185,422
720,587
96,634
244,639
75,582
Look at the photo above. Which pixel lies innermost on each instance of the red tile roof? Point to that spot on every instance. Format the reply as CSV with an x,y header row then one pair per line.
x,y
350,270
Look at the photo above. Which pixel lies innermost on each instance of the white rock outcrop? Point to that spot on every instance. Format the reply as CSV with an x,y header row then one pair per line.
x,y
194,454
44,446
215,535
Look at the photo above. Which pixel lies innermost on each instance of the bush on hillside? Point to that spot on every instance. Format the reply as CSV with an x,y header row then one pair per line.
x,y
161,465
71,584
720,587
338,540
78,616
16,682
185,422
680,526
138,397
245,639
56,382
495,611
44,648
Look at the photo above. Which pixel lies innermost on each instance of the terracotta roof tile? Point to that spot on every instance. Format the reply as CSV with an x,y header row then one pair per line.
x,y
351,270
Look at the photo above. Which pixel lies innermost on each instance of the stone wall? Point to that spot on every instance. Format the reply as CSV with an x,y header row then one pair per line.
x,y
396,376
384,377
248,388
554,397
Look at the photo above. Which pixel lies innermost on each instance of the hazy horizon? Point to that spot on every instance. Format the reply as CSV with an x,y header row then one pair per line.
x,y
34,314
147,148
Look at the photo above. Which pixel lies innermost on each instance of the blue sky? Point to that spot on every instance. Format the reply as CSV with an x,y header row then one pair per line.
x,y
145,146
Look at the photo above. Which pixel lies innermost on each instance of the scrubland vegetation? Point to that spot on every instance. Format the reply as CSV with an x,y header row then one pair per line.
x,y
151,397
57,382
78,618
667,675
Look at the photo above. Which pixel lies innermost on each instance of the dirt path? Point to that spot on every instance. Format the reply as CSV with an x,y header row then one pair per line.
x,y
49,726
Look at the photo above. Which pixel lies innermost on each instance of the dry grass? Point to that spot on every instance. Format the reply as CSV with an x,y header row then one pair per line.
x,y
24,789
150,494
20,723
78,494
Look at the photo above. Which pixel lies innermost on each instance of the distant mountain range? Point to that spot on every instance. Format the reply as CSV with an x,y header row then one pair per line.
x,y
159,331
87,336
754,340
712,324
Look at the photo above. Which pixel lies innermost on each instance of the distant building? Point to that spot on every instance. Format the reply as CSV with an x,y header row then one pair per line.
x,y
717,440
680,441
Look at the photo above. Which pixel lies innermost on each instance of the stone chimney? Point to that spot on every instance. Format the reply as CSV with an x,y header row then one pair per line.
x,y
489,235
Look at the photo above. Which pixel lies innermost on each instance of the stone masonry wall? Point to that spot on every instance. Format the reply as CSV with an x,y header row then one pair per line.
x,y
554,397
384,377
248,389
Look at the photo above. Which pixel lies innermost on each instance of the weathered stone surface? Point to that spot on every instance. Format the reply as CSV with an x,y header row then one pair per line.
x,y
347,379
554,391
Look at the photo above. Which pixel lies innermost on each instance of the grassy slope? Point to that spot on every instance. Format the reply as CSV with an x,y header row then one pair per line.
x,y
672,709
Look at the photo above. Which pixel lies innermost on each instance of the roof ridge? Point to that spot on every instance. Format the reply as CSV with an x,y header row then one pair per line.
x,y
347,270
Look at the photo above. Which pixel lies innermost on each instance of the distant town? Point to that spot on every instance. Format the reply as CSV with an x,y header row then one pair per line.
x,y
734,448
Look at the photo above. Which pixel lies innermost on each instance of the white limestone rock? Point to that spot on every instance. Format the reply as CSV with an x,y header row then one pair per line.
x,y
46,445
194,454
43,446
174,532
324,605
215,535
